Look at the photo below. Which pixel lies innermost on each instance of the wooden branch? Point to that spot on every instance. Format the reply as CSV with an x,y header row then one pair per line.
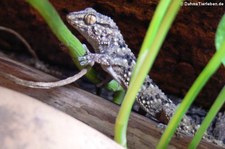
x,y
88,108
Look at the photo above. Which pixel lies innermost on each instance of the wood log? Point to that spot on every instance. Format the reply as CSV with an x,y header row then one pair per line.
x,y
90,109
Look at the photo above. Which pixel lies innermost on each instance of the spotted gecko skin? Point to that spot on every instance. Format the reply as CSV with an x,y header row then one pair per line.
x,y
114,56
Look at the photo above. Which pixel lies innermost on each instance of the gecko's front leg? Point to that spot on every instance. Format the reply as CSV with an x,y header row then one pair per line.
x,y
91,58
106,61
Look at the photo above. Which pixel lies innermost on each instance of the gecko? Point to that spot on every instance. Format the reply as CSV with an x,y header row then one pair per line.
x,y
117,59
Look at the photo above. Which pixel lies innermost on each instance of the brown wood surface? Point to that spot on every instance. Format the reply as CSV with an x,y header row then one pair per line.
x,y
88,108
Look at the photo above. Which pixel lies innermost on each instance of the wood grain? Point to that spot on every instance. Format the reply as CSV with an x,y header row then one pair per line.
x,y
88,108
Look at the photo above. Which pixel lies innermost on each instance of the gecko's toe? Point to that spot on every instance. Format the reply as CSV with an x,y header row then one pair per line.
x,y
85,60
84,63
82,58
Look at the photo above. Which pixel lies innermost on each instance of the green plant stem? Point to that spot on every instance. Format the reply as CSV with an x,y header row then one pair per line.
x,y
220,35
119,96
61,31
208,71
66,37
155,35
220,100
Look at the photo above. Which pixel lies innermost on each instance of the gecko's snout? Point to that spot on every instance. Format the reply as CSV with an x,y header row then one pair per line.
x,y
70,17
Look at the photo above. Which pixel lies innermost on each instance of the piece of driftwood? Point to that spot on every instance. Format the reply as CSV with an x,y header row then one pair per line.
x,y
88,108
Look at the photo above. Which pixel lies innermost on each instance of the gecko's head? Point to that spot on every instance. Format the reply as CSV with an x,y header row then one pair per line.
x,y
95,27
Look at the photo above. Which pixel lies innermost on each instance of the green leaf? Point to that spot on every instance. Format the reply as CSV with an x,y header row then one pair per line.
x,y
220,35
156,33
220,100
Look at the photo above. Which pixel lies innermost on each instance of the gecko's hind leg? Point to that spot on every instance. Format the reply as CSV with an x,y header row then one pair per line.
x,y
104,82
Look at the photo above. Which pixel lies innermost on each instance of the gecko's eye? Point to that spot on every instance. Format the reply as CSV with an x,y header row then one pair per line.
x,y
90,19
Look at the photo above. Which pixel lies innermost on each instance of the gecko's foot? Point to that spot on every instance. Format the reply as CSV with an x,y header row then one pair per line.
x,y
161,126
86,60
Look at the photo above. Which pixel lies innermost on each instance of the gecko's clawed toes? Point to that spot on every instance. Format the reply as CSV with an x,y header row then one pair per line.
x,y
82,58
83,63
85,60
